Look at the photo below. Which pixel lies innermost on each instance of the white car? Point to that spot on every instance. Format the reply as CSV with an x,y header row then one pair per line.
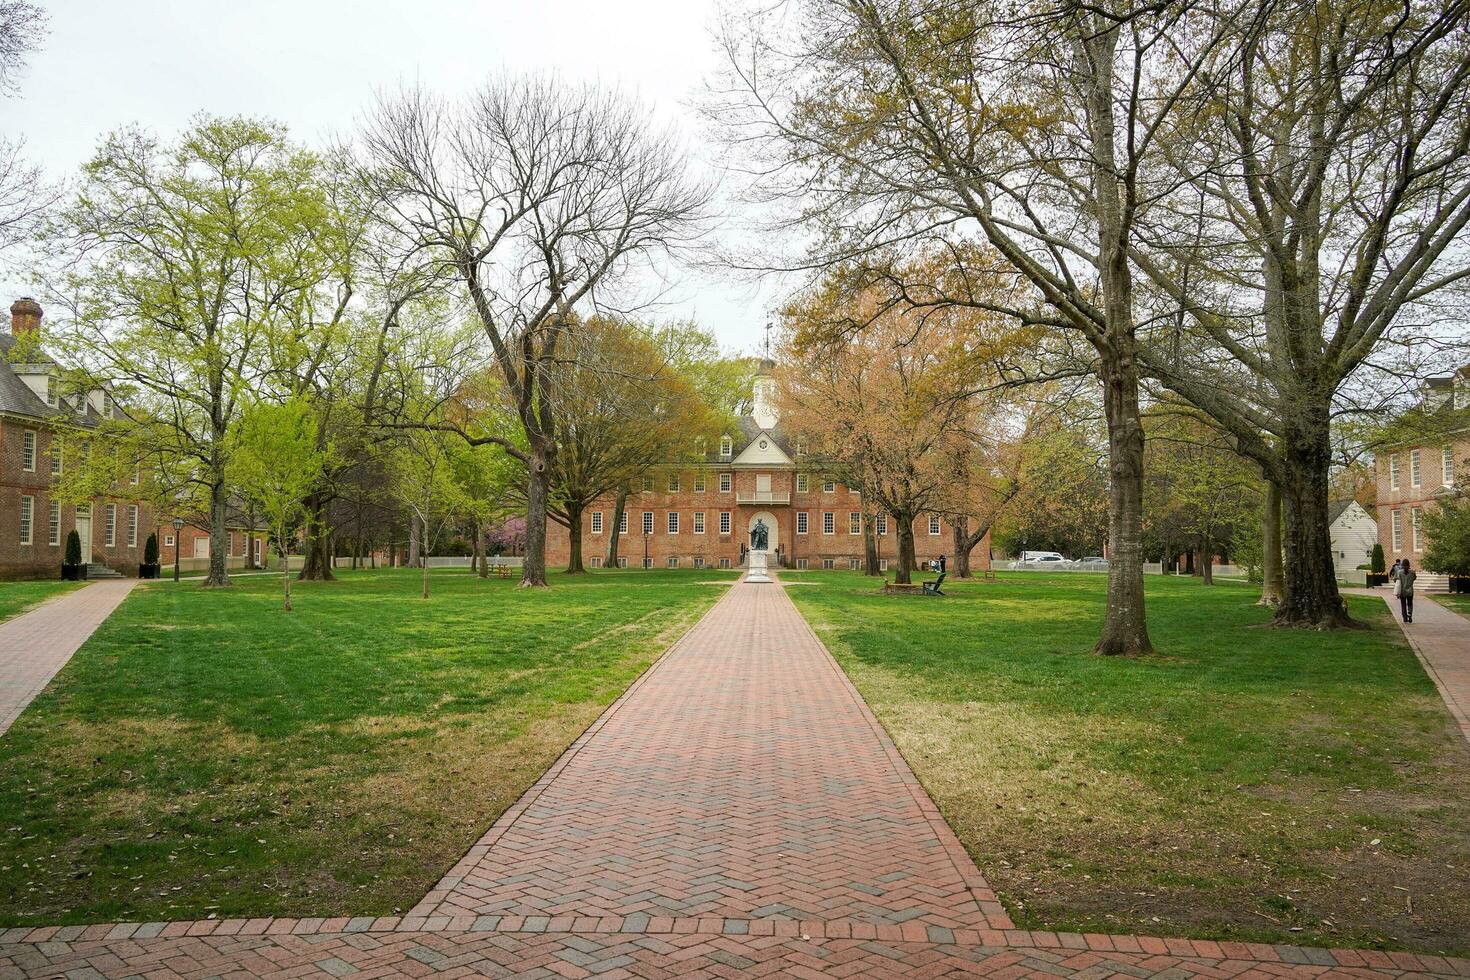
x,y
1043,559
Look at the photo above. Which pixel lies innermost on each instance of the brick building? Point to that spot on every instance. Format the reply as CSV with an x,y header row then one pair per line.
x,y
1413,477
697,515
35,417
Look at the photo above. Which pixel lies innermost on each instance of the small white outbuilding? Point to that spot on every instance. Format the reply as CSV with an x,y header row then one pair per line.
x,y
1354,532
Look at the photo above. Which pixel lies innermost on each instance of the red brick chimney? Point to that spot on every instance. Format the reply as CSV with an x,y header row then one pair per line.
x,y
25,316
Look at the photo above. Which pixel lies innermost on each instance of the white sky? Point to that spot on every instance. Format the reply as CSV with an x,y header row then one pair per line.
x,y
314,64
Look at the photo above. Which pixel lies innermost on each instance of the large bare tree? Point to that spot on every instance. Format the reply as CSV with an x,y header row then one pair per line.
x,y
537,196
24,196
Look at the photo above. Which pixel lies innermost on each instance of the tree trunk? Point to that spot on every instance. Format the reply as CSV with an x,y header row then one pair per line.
x,y
286,574
482,567
962,547
1197,568
219,537
1207,559
1271,585
870,545
1125,629
533,565
1311,597
317,563
413,541
906,560
619,507
574,537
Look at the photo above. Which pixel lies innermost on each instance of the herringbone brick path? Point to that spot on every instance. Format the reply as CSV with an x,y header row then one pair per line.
x,y
742,778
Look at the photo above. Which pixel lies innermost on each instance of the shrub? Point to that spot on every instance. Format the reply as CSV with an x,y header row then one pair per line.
x,y
150,550
1448,529
73,548
1376,562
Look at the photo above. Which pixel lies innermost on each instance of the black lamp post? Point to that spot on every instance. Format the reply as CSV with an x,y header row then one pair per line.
x,y
178,527
645,548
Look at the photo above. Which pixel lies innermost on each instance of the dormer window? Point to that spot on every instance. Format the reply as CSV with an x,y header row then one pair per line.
x,y
52,398
107,406
727,446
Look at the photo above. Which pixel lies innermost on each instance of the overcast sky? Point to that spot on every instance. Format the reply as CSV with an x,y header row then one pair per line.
x,y
314,64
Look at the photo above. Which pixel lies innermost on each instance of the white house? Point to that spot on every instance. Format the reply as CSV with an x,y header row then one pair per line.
x,y
1354,532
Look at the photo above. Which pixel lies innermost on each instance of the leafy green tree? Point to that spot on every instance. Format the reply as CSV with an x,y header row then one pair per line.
x,y
1448,529
275,460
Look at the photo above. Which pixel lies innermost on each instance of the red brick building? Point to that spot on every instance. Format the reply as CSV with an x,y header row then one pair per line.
x,y
700,515
1413,477
35,418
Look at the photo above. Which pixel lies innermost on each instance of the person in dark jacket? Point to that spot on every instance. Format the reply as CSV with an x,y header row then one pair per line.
x,y
1404,588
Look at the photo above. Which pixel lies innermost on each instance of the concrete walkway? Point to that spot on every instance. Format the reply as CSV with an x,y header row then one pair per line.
x,y
1441,638
34,646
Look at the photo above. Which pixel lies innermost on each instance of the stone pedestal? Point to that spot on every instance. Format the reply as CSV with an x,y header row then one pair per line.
x,y
756,567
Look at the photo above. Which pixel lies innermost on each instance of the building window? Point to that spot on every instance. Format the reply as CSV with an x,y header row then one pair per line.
x,y
1398,535
137,475
726,447
882,564
801,522
596,561
724,522
648,522
56,455
110,524
829,523
796,446
28,451
623,523
648,562
168,542
27,511
828,486
853,564
622,561
648,484
801,564
724,483
934,525
597,522
801,483
855,522
699,483
1447,467
828,564
133,526
673,562
724,563
1413,467
53,524
1414,527
699,522
882,524
51,395
698,562
673,483
1393,472
673,522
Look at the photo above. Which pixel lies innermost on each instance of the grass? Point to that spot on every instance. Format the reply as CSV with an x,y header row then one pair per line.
x,y
206,754
1245,783
1459,603
18,597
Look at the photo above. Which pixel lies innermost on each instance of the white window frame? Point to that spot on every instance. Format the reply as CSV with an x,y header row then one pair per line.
x,y
699,522
53,524
882,564
647,484
1414,528
168,540
27,518
727,447
623,523
724,483
28,450
110,524
1447,467
725,518
56,462
673,483
597,522
855,522
853,564
801,564
672,561
595,561
698,561
622,561
801,483
1397,531
829,522
828,564
648,522
829,486
699,483
1414,468
673,522
882,524
935,528
724,563
801,522
1393,472
132,525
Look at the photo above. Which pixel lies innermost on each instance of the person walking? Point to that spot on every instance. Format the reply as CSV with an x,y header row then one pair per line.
x,y
1403,587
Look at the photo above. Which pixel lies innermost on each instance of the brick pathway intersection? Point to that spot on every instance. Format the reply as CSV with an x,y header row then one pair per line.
x,y
738,812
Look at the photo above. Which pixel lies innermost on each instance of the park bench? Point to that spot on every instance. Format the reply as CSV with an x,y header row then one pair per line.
x,y
933,588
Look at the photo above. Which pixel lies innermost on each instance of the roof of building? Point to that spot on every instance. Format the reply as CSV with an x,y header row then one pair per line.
x,y
17,398
1335,509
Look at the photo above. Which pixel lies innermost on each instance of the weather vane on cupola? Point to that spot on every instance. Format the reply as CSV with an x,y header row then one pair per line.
x,y
768,338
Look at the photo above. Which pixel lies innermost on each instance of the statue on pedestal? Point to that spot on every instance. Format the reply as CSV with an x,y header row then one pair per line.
x,y
760,536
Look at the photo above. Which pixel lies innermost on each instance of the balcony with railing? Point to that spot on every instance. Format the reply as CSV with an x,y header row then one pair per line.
x,y
762,497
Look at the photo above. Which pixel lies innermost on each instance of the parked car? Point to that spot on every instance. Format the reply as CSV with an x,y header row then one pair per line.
x,y
1044,560
1092,563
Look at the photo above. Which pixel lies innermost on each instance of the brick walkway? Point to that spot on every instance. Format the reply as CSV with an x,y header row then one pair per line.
x,y
1441,638
738,812
34,646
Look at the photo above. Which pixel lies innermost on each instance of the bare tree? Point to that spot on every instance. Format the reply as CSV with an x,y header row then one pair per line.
x,y
24,196
534,195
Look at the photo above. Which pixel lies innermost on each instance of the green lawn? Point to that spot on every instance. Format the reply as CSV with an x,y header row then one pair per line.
x,y
205,753
1245,783
1460,603
17,597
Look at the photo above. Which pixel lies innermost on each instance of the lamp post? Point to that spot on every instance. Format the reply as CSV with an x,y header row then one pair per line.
x,y
178,527
645,549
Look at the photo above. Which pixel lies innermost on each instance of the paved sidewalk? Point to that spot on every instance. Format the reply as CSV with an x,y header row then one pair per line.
x,y
1441,638
742,778
34,646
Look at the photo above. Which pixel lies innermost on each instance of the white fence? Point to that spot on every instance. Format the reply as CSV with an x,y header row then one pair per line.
x,y
1149,568
463,561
